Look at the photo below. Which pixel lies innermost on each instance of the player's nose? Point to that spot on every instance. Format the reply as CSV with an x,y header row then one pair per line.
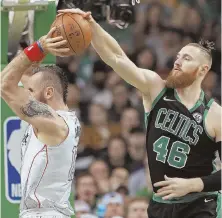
x,y
178,62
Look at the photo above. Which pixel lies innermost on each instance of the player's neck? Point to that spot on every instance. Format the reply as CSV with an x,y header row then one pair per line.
x,y
190,94
58,106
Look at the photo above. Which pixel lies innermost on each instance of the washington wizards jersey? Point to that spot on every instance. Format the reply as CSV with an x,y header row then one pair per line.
x,y
178,144
47,171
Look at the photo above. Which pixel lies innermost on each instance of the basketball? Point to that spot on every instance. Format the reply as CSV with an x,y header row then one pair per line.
x,y
75,29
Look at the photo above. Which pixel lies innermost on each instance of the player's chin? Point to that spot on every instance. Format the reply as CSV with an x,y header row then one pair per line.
x,y
176,84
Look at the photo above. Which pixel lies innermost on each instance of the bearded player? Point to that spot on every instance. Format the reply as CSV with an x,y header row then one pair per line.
x,y
49,147
183,127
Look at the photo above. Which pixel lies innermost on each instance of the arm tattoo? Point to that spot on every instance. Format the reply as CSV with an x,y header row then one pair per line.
x,y
35,108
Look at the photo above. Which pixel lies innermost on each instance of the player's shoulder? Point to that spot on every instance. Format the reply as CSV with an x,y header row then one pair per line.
x,y
215,109
215,114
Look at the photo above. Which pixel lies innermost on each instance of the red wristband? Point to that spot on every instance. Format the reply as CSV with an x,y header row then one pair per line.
x,y
34,53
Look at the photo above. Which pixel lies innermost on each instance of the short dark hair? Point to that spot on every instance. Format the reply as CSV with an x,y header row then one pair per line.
x,y
117,137
206,47
82,175
136,199
98,160
101,161
56,76
100,65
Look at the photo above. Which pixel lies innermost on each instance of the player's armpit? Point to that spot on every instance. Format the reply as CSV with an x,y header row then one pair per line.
x,y
44,119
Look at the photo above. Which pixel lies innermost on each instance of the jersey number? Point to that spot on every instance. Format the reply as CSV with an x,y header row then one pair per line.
x,y
177,155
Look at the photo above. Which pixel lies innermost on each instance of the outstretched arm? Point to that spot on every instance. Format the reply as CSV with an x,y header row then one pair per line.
x,y
112,54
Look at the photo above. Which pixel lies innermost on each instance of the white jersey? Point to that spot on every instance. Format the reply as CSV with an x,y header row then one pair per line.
x,y
47,171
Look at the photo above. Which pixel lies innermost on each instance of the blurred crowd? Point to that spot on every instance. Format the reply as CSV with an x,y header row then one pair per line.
x,y
112,175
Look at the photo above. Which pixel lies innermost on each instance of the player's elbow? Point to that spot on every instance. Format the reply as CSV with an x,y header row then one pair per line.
x,y
5,88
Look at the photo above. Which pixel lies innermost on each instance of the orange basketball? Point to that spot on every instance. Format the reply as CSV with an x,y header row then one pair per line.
x,y
75,29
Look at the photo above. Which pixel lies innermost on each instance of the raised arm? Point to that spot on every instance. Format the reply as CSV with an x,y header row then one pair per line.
x,y
39,115
112,54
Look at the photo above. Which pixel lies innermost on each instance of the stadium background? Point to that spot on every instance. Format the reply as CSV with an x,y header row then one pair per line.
x,y
111,154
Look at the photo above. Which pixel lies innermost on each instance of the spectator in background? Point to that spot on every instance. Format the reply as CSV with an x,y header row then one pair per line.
x,y
99,130
86,189
137,148
116,153
120,101
73,98
112,80
148,25
216,67
146,58
137,208
130,118
85,70
100,171
96,91
73,64
154,19
123,190
81,208
193,22
137,102
209,83
119,177
140,183
168,46
114,205
188,37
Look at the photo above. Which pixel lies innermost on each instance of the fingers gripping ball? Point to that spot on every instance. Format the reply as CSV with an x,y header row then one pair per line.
x,y
75,29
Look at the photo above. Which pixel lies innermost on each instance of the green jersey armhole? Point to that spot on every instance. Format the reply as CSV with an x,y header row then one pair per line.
x,y
153,104
158,97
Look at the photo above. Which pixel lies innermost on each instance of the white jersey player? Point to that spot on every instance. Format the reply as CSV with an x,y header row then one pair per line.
x,y
47,171
49,146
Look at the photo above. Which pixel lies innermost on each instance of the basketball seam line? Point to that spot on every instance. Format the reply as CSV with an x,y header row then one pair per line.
x,y
66,35
80,30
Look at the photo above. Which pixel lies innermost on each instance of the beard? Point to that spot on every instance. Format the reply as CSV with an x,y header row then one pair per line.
x,y
179,79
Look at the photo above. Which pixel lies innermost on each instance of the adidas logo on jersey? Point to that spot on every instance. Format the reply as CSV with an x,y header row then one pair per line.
x,y
198,117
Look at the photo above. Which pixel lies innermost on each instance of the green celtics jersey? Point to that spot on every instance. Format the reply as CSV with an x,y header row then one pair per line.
x,y
178,144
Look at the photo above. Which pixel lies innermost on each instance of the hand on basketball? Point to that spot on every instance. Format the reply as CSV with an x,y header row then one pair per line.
x,y
86,15
174,187
55,45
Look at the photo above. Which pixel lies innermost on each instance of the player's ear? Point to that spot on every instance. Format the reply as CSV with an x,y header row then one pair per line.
x,y
49,92
204,70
